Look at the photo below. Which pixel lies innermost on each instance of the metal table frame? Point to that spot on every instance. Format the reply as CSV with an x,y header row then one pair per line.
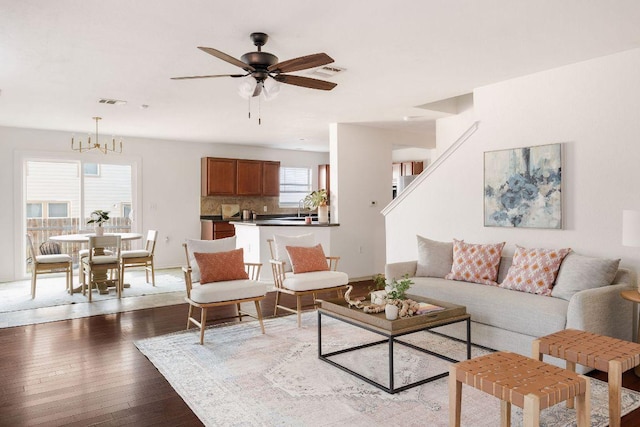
x,y
390,340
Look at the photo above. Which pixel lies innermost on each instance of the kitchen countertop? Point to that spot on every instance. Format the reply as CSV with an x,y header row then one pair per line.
x,y
281,223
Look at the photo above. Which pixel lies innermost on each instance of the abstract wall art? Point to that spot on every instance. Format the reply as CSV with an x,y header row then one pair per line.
x,y
523,187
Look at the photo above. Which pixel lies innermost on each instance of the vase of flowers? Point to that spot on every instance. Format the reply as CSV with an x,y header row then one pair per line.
x,y
98,217
378,293
396,292
318,200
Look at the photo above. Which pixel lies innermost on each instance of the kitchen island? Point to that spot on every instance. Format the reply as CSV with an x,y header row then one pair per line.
x,y
252,236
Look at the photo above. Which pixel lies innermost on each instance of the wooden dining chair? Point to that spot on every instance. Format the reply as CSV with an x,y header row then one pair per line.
x,y
141,258
45,264
97,265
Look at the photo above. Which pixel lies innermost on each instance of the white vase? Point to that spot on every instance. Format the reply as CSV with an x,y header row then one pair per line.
x,y
391,311
378,297
99,231
323,214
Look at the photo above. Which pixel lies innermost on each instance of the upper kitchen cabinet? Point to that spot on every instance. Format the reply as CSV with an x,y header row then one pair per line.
x,y
238,177
218,176
249,178
271,179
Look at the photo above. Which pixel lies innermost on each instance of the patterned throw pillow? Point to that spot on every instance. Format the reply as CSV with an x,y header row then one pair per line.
x,y
306,259
281,243
475,263
534,270
221,266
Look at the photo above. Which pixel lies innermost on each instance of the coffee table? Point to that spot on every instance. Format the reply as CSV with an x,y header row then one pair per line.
x,y
392,330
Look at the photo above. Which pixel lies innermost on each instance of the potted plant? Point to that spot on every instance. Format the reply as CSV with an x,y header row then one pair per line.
x,y
378,293
98,217
318,199
396,292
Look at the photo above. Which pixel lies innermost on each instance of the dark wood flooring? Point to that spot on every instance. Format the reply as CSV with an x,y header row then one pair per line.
x,y
88,372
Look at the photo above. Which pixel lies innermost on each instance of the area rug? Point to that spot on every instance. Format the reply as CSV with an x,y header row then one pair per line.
x,y
240,377
50,291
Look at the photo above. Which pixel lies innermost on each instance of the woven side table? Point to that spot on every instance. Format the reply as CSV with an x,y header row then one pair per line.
x,y
518,380
606,354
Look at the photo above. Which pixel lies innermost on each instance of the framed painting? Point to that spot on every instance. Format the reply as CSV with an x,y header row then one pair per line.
x,y
523,187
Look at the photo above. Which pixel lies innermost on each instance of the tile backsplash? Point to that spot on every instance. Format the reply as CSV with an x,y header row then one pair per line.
x,y
212,205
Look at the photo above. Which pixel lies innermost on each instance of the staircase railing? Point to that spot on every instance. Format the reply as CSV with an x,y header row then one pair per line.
x,y
431,168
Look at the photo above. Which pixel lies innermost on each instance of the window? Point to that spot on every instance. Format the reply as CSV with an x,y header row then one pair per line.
x,y
47,209
91,169
295,184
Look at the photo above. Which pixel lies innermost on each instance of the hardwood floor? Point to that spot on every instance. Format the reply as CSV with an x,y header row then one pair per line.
x,y
88,372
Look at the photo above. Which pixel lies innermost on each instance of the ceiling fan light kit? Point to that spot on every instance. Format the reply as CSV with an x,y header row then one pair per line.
x,y
264,72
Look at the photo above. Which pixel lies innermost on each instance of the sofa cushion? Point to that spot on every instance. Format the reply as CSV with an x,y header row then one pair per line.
x,y
304,260
206,246
281,242
579,272
434,258
221,266
475,263
519,312
315,280
227,291
534,270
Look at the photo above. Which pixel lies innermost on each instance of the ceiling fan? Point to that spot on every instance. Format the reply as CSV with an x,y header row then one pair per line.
x,y
262,65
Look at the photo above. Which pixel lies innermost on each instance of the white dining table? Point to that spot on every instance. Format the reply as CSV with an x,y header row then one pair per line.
x,y
84,238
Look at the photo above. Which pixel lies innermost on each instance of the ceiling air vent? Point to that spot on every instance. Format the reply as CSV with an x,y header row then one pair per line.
x,y
111,101
328,71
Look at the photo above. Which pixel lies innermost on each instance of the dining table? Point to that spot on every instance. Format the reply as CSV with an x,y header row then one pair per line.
x,y
83,238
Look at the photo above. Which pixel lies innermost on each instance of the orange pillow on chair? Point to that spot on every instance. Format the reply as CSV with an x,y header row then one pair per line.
x,y
221,266
306,259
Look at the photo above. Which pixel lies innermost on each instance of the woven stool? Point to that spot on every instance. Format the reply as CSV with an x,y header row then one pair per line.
x,y
606,354
514,379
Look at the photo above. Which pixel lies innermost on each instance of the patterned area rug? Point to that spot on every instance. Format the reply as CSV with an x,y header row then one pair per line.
x,y
241,377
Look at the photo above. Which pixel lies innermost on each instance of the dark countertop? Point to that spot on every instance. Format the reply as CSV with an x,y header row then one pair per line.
x,y
281,223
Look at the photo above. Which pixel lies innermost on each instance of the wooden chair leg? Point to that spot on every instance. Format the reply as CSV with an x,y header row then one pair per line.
x,y
505,413
259,311
615,392
531,411
33,282
455,398
189,316
203,321
583,407
239,312
299,309
275,309
153,274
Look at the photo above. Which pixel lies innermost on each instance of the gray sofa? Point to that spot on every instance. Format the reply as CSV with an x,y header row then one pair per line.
x,y
504,319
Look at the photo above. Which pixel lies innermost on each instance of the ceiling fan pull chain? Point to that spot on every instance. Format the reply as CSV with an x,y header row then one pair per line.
x,y
259,112
249,107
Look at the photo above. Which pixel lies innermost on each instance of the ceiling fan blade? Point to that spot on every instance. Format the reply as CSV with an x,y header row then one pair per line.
x,y
230,59
258,90
208,77
305,82
301,63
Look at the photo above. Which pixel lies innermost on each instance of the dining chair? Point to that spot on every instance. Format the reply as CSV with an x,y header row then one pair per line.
x,y
141,258
54,263
96,265
319,272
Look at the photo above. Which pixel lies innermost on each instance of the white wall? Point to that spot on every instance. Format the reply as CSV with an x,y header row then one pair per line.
x,y
169,188
592,108
361,169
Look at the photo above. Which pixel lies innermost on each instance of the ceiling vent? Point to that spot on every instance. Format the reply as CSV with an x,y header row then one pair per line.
x,y
111,101
328,71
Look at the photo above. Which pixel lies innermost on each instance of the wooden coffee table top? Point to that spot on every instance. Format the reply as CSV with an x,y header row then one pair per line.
x,y
452,313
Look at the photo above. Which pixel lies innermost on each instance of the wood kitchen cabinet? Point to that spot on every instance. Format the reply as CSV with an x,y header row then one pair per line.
x,y
249,178
271,178
223,229
411,168
218,176
239,177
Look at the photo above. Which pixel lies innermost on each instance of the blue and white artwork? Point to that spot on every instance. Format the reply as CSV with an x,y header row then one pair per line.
x,y
522,187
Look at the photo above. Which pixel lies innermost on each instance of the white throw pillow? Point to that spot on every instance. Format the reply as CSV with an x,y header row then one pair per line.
x,y
281,243
434,258
207,246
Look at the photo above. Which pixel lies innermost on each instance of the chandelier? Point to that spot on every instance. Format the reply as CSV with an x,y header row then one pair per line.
x,y
96,145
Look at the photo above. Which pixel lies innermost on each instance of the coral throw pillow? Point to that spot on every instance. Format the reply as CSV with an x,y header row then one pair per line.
x,y
534,270
306,259
221,266
475,263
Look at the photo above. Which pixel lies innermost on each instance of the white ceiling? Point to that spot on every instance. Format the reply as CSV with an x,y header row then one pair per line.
x,y
57,58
